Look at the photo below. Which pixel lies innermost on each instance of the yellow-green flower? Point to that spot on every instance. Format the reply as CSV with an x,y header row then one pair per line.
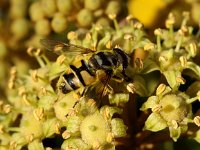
x,y
169,109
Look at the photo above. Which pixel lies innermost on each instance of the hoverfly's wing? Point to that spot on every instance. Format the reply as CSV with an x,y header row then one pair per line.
x,y
64,48
98,90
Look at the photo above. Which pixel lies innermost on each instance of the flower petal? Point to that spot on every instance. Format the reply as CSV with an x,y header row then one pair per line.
x,y
155,123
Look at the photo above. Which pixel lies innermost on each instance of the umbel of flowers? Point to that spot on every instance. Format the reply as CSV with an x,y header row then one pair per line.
x,y
174,57
35,111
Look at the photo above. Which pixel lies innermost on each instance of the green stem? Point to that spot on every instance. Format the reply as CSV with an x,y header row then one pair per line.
x,y
191,100
158,43
178,44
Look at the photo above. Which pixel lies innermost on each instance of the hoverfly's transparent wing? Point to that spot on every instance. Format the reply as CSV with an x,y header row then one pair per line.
x,y
64,48
98,90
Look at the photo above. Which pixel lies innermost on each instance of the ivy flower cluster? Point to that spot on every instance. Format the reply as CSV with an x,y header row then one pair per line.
x,y
36,112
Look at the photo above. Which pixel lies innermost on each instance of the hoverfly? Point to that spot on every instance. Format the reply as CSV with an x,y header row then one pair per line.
x,y
113,64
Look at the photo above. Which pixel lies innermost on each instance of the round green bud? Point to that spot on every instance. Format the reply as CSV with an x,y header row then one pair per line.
x,y
64,6
43,27
113,7
49,7
20,28
94,129
18,8
59,23
118,127
92,4
74,143
36,11
85,18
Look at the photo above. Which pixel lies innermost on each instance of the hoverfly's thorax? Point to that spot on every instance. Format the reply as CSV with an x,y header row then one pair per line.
x,y
104,61
121,57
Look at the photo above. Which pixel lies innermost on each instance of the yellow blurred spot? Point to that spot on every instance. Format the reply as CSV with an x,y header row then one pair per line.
x,y
145,10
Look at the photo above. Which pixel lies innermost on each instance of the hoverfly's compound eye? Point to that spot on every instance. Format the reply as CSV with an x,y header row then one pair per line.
x,y
63,88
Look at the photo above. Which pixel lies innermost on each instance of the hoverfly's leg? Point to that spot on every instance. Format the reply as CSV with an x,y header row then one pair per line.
x,y
78,95
117,79
106,86
126,78
84,91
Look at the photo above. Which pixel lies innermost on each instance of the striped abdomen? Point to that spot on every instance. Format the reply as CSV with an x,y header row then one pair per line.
x,y
79,77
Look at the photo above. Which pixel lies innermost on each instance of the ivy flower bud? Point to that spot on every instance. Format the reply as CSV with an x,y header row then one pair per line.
x,y
92,4
85,18
20,28
36,11
113,7
49,7
65,6
59,22
118,128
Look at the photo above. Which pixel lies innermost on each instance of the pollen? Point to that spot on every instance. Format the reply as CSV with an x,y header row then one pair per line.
x,y
158,32
72,35
66,134
183,61
197,120
180,80
175,124
38,113
161,88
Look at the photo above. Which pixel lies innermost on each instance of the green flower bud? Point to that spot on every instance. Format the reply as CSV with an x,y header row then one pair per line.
x,y
108,112
49,7
43,27
118,128
65,6
94,129
36,11
92,4
155,123
20,28
18,10
85,17
113,7
59,23
75,143
118,98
